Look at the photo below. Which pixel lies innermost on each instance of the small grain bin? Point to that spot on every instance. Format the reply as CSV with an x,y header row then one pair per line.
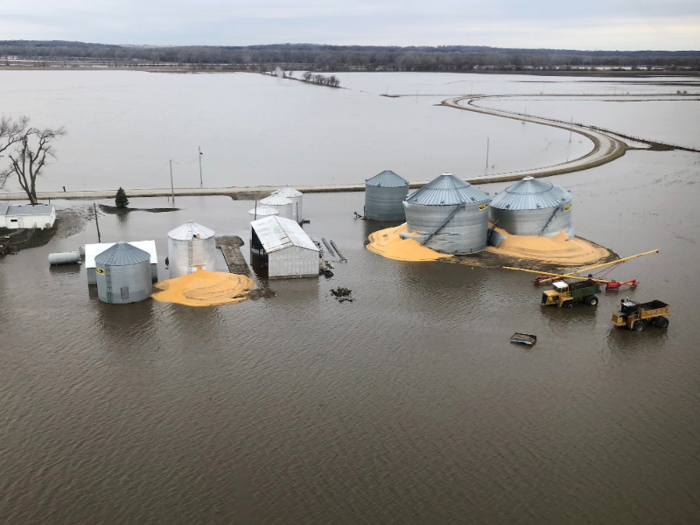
x,y
533,207
191,245
123,274
449,215
260,212
384,196
297,199
284,205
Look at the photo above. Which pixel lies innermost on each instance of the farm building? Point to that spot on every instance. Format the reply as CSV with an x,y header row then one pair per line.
x,y
27,216
283,247
93,250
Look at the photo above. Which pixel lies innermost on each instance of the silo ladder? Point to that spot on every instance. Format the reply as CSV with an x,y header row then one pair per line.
x,y
449,218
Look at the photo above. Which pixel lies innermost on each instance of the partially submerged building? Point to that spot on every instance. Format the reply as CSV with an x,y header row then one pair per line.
x,y
384,196
533,207
448,215
123,274
93,250
282,246
190,246
39,216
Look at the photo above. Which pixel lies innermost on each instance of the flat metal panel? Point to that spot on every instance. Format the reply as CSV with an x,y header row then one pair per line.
x,y
385,203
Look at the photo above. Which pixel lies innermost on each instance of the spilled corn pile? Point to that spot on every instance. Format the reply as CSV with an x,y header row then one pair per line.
x,y
389,244
203,288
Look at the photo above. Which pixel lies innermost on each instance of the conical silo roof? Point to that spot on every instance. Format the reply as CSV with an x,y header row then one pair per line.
x,y
190,230
275,200
531,194
447,190
387,179
288,192
264,211
122,254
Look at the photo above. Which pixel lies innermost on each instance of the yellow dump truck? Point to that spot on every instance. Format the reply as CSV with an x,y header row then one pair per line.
x,y
636,316
564,294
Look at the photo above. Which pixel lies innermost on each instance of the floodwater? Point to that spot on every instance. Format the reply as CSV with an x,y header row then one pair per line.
x,y
408,405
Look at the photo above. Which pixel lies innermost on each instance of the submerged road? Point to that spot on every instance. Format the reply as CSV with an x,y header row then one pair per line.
x,y
605,149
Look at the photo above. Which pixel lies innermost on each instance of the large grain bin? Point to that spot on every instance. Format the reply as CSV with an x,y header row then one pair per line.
x,y
533,207
384,196
284,205
297,199
191,245
449,215
260,212
123,274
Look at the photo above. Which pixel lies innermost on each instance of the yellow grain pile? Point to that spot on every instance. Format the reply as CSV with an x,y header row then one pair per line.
x,y
555,250
389,244
202,288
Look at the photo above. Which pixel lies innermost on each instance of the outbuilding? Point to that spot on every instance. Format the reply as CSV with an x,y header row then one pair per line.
x,y
39,216
93,250
283,247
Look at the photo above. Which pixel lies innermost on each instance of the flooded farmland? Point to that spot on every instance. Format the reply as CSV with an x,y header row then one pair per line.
x,y
408,405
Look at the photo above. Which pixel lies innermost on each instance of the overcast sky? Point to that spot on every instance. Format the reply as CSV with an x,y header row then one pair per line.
x,y
593,24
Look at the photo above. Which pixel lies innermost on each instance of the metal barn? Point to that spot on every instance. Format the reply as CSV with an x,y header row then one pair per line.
x,y
384,196
283,247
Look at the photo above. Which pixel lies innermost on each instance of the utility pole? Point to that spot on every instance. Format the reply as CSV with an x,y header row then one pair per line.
x,y
570,131
487,154
99,237
172,188
201,184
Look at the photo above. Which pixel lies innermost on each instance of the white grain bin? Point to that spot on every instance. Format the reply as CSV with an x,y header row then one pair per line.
x,y
260,212
283,247
123,274
533,207
449,215
284,205
189,246
297,199
93,250
384,196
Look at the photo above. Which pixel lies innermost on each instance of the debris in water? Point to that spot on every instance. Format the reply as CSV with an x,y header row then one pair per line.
x,y
342,294
526,339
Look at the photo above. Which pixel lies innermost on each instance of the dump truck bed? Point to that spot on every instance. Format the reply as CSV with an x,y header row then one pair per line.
x,y
583,288
653,309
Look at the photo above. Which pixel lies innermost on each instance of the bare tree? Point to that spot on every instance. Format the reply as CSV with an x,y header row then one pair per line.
x,y
11,131
28,160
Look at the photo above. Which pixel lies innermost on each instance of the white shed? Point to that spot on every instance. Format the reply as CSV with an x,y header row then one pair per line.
x,y
27,216
284,248
93,250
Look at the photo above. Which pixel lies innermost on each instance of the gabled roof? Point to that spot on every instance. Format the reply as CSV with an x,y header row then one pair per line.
x,y
275,200
93,250
190,230
288,192
28,209
387,179
277,233
447,190
531,194
122,254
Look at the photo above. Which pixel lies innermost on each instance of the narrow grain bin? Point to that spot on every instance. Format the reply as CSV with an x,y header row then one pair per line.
x,y
449,215
282,204
191,245
123,274
533,207
297,199
384,196
260,212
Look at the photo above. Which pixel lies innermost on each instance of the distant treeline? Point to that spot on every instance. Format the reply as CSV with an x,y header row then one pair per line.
x,y
313,57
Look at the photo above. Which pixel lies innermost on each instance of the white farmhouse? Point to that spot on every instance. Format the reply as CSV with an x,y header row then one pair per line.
x,y
283,246
27,216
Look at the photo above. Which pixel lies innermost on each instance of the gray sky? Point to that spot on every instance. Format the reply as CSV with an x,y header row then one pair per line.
x,y
593,24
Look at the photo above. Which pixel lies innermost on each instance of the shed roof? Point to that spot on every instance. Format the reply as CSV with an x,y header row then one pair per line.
x,y
122,254
28,209
387,179
93,250
3,207
189,230
277,233
447,190
288,192
531,194
275,200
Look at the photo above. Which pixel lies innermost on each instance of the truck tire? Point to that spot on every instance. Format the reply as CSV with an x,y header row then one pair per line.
x,y
661,322
639,326
568,304
592,300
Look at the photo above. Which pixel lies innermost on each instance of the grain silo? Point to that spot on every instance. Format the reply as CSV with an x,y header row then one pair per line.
x,y
449,215
533,207
260,212
297,199
123,274
284,205
191,245
384,196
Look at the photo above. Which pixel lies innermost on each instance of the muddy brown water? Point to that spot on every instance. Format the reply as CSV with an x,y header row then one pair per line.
x,y
408,405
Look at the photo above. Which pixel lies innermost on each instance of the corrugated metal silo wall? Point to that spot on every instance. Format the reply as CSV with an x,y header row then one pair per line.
x,y
297,207
203,253
286,210
466,232
385,204
129,284
293,262
531,222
